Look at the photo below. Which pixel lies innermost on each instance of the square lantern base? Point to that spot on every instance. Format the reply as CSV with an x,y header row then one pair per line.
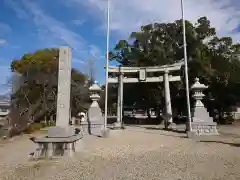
x,y
204,128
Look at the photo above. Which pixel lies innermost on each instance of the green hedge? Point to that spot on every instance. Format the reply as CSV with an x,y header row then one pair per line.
x,y
33,127
48,124
37,126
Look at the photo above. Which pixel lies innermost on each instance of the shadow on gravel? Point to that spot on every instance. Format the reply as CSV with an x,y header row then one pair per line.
x,y
221,142
183,135
170,130
161,129
229,134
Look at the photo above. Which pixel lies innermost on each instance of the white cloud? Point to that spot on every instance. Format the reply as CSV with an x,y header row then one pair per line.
x,y
5,29
129,15
95,52
3,41
78,22
17,8
5,75
49,29
56,28
78,61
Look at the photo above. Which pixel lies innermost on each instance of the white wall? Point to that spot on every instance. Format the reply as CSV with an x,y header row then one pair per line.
x,y
236,114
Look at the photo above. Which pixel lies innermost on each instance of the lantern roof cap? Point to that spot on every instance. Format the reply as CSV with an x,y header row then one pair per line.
x,y
198,85
95,87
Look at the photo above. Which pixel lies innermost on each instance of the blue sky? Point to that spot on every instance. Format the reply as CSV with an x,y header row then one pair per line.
x,y
27,25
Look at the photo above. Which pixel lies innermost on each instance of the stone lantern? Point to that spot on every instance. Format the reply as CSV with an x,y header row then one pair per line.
x,y
198,95
202,123
95,117
95,90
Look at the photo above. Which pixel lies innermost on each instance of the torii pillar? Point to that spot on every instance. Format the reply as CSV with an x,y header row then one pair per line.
x,y
119,123
168,107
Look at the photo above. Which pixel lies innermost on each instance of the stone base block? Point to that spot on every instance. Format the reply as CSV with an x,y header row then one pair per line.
x,y
105,133
172,126
204,128
117,125
95,129
169,126
61,132
191,134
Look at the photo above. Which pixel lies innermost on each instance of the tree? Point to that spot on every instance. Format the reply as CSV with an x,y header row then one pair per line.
x,y
112,98
210,57
91,70
37,94
80,100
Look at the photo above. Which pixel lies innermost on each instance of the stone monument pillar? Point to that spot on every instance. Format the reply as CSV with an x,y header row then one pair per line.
x,y
202,123
95,117
62,128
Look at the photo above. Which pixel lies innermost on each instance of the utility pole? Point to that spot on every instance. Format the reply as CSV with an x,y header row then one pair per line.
x,y
189,127
107,59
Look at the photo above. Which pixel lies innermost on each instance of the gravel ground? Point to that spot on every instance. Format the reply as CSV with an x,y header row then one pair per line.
x,y
133,153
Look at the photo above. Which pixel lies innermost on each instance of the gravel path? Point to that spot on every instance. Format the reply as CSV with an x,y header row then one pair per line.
x,y
134,153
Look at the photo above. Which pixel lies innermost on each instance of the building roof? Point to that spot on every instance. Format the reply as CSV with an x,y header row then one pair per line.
x,y
5,104
4,101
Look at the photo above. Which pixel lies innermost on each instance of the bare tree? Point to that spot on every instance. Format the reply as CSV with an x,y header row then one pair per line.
x,y
91,69
23,112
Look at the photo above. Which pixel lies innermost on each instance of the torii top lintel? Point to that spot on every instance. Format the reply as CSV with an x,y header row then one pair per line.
x,y
171,67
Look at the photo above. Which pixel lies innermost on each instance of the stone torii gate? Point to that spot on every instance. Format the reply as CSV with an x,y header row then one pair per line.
x,y
143,77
